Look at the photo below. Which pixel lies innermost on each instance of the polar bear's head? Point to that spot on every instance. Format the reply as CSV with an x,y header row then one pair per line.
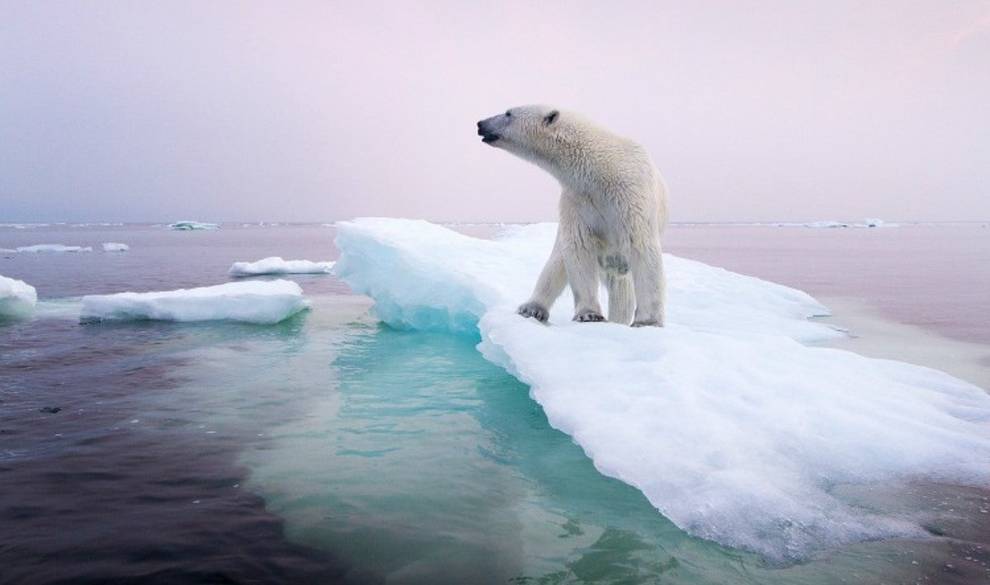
x,y
532,132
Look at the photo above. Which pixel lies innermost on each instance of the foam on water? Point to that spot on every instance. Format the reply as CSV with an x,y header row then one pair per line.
x,y
115,247
727,420
262,302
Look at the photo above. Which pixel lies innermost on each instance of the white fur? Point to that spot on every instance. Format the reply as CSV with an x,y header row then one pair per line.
x,y
613,209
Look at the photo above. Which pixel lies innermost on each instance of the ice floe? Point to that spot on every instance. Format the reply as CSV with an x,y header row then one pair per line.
x,y
24,226
17,298
276,265
873,222
189,225
115,247
55,248
250,301
730,420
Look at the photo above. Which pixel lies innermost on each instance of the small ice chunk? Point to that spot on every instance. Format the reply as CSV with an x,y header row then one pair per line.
x,y
17,298
57,248
189,225
276,265
251,302
115,247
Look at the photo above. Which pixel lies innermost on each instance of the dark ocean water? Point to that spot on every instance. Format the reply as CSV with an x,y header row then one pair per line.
x,y
330,449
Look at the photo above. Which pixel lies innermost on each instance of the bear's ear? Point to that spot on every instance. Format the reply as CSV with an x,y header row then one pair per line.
x,y
550,118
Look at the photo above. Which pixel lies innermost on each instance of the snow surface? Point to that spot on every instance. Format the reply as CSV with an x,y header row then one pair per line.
x,y
115,247
276,265
189,225
17,298
58,248
251,302
732,426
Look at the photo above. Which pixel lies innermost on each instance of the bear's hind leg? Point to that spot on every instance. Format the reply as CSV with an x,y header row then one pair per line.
x,y
648,282
621,302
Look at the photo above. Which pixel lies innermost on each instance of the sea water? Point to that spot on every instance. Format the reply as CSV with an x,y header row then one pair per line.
x,y
331,448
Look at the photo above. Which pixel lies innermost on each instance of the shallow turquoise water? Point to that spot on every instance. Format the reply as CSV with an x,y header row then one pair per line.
x,y
414,460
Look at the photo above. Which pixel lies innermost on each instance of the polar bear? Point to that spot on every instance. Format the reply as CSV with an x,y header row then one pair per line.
x,y
613,209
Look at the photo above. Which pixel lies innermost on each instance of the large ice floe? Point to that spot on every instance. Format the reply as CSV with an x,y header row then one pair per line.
x,y
53,248
276,265
262,302
729,419
189,225
115,247
17,298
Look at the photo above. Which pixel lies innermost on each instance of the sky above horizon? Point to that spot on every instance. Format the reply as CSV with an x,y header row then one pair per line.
x,y
318,111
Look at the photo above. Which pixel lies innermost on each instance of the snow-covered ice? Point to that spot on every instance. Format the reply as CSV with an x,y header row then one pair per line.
x,y
57,248
115,247
251,302
730,422
189,225
17,298
276,265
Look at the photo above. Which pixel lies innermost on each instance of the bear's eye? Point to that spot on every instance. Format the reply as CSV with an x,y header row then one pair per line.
x,y
549,118
508,113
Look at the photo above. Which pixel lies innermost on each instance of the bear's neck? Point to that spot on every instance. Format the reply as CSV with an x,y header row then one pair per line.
x,y
579,164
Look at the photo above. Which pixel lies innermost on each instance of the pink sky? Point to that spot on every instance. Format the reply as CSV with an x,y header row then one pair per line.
x,y
298,111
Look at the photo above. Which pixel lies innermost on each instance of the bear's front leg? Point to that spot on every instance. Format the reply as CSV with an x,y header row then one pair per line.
x,y
581,265
551,283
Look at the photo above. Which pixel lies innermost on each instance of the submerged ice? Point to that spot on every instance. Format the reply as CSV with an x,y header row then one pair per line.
x,y
276,265
17,298
731,424
262,302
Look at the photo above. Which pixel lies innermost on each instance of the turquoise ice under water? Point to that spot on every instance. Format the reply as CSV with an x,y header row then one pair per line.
x,y
414,460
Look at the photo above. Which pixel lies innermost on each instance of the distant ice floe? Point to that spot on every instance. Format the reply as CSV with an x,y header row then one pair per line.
x,y
866,223
824,224
53,248
115,247
727,419
17,298
263,302
189,225
24,226
276,265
